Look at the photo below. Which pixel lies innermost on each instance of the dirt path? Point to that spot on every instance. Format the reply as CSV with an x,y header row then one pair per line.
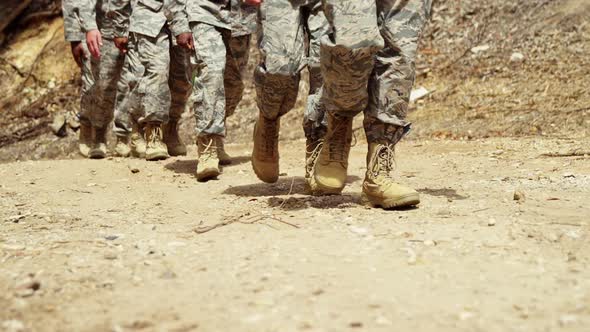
x,y
92,246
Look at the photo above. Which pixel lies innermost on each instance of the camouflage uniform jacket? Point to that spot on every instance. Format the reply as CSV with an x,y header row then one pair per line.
x,y
148,17
81,16
232,15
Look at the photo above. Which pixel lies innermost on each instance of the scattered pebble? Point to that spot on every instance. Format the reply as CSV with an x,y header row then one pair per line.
x,y
491,222
480,48
111,255
516,57
382,321
519,195
567,320
430,243
356,325
359,230
13,325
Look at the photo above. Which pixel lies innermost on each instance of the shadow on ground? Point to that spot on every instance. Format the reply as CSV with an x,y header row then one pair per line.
x,y
298,196
292,185
443,192
190,166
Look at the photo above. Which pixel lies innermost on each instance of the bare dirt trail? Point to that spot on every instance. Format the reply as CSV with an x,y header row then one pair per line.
x,y
116,245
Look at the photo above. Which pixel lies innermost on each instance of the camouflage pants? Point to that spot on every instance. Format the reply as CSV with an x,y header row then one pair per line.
x,y
137,82
369,63
289,39
99,85
217,67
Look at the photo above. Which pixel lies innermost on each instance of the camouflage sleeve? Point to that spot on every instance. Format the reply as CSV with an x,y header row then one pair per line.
x,y
119,17
177,17
72,28
87,15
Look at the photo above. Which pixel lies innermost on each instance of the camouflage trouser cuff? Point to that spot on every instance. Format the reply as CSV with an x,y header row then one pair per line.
x,y
386,133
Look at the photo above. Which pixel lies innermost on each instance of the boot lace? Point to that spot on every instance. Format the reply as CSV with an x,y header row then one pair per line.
x,y
313,157
208,151
382,162
155,136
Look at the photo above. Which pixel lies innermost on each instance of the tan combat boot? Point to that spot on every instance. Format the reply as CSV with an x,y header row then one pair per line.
x,y
330,169
171,139
312,151
265,156
155,149
208,161
85,139
138,145
379,189
224,158
122,148
99,144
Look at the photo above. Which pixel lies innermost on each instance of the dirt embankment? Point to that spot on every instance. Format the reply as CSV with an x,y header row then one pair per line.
x,y
494,68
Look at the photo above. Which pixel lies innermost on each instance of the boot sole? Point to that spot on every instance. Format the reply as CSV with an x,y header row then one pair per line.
x,y
208,174
321,190
97,155
268,179
156,156
401,202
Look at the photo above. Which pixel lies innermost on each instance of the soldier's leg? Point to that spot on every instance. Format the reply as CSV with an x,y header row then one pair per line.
x,y
180,90
85,138
346,57
107,71
236,61
315,120
281,45
389,89
127,107
237,55
152,90
208,96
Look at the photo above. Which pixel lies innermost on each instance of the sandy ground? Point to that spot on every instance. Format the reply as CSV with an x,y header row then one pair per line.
x,y
120,245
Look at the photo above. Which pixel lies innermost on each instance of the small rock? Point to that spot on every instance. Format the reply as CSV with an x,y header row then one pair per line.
x,y
516,57
567,320
135,170
480,48
111,255
568,175
382,321
15,219
13,325
491,222
356,325
519,195
430,243
359,230
412,257
465,315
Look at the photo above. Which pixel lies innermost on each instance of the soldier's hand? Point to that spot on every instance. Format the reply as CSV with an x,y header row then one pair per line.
x,y
78,52
185,40
94,42
121,43
253,2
